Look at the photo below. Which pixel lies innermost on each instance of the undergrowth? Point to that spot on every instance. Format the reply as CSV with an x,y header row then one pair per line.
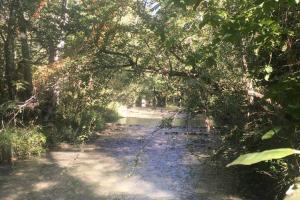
x,y
21,143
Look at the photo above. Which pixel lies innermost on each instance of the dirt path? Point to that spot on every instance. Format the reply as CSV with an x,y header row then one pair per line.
x,y
133,161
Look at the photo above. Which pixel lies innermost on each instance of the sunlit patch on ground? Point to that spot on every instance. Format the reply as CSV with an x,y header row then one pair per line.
x,y
43,185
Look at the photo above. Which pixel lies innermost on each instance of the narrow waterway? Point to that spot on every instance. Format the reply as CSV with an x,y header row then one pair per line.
x,y
131,160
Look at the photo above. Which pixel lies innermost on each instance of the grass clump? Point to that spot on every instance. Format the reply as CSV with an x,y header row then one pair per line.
x,y
21,143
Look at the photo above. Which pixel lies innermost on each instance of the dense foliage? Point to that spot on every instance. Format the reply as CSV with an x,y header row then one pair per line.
x,y
21,143
62,62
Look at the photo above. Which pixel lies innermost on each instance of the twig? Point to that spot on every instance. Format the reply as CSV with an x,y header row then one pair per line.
x,y
29,101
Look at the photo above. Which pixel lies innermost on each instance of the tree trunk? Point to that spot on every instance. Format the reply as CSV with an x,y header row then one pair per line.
x,y
26,59
248,81
9,48
52,52
54,48
2,82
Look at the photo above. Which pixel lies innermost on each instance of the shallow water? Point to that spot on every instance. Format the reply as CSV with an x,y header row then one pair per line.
x,y
131,160
132,121
153,118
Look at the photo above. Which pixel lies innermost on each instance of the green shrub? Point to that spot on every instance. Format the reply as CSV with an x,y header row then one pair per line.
x,y
99,123
166,122
109,114
72,128
73,103
21,143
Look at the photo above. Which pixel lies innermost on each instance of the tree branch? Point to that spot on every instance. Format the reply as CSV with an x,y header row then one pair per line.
x,y
2,36
130,60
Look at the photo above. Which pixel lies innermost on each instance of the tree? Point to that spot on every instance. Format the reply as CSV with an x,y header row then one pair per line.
x,y
9,48
25,63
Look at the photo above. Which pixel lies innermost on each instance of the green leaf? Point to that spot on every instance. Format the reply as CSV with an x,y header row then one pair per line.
x,y
284,47
268,69
270,133
252,158
267,77
256,51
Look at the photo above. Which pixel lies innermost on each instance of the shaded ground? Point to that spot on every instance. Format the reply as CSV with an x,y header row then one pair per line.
x,y
132,160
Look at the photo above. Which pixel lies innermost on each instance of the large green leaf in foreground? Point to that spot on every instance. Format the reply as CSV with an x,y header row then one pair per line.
x,y
252,158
